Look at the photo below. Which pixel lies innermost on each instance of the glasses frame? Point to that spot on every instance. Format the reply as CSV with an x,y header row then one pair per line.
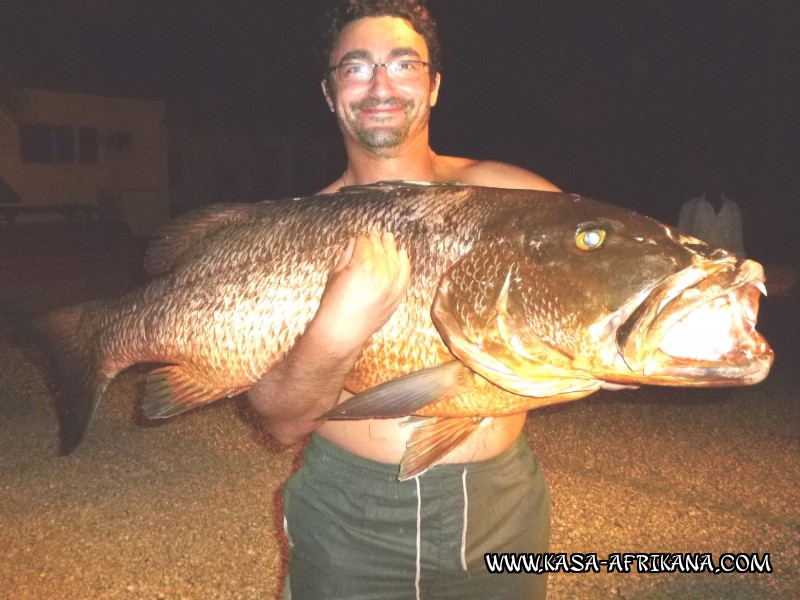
x,y
387,65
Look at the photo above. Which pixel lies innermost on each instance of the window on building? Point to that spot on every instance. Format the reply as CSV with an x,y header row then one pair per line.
x,y
87,145
62,144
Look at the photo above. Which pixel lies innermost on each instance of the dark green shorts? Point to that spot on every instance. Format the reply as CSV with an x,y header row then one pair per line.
x,y
358,533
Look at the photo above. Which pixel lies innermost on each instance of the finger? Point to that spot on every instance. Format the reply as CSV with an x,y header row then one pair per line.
x,y
364,251
404,276
392,256
614,387
378,252
389,243
346,256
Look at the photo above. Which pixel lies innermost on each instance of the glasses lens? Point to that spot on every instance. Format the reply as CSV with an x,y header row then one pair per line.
x,y
354,72
405,69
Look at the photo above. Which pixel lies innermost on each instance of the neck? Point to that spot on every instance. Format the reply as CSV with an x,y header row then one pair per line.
x,y
411,162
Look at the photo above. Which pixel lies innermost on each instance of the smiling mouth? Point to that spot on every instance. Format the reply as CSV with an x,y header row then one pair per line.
x,y
383,110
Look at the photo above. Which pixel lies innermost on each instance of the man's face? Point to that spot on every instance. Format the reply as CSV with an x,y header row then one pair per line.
x,y
382,113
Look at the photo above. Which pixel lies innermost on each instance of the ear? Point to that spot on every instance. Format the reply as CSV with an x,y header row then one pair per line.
x,y
327,93
435,90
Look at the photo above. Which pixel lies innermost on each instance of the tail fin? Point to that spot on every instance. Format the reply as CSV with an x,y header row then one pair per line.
x,y
65,336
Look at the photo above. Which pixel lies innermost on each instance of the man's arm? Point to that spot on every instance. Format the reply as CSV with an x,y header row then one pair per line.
x,y
363,290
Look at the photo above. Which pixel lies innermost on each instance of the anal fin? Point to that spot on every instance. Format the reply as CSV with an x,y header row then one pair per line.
x,y
433,439
172,390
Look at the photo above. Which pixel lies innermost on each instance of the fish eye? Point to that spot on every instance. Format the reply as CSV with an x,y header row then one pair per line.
x,y
590,239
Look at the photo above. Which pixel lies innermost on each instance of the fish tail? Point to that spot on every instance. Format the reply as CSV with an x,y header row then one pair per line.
x,y
66,337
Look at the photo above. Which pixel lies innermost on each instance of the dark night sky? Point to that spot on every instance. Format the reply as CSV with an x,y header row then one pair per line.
x,y
618,99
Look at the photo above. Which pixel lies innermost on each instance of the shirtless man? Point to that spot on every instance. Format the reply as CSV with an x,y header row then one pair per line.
x,y
355,531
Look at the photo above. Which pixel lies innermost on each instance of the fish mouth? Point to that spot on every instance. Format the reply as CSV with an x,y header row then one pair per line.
x,y
698,327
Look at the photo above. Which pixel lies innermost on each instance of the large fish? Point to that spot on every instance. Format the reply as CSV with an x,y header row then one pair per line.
x,y
518,299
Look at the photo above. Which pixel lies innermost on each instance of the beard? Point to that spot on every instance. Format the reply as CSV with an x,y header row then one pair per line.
x,y
383,138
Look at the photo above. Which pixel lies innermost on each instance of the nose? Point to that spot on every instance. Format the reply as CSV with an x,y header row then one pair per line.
x,y
381,84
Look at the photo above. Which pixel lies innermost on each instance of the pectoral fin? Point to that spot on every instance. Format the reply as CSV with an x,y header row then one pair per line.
x,y
172,390
403,396
433,439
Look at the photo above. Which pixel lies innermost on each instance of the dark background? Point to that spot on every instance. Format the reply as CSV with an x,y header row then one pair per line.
x,y
623,100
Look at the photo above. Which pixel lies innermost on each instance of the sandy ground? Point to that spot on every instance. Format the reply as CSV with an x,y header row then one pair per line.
x,y
190,508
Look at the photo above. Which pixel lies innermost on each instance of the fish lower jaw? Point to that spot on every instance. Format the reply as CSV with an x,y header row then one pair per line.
x,y
734,370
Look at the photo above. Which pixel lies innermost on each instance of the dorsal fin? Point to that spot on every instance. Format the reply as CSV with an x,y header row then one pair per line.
x,y
184,232
383,186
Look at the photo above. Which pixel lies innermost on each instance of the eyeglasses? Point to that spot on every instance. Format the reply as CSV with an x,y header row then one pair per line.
x,y
359,72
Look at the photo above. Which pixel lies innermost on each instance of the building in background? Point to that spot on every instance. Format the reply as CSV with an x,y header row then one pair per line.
x,y
78,153
103,154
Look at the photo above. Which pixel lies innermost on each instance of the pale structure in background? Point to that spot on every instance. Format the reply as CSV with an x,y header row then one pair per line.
x,y
714,218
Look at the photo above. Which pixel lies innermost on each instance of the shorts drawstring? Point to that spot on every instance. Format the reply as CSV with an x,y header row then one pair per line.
x,y
466,512
419,535
419,529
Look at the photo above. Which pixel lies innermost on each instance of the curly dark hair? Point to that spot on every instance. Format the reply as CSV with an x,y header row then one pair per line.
x,y
344,12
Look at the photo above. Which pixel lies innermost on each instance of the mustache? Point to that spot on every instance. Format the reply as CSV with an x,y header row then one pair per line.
x,y
392,102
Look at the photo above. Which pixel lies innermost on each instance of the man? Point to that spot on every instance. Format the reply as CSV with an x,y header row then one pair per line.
x,y
713,217
355,531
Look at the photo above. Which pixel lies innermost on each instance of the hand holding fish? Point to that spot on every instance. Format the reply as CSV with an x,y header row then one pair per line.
x,y
363,291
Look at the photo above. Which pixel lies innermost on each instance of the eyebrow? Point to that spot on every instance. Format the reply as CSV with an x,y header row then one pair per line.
x,y
366,55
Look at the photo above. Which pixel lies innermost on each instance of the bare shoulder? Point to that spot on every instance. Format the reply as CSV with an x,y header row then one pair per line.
x,y
331,188
490,173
